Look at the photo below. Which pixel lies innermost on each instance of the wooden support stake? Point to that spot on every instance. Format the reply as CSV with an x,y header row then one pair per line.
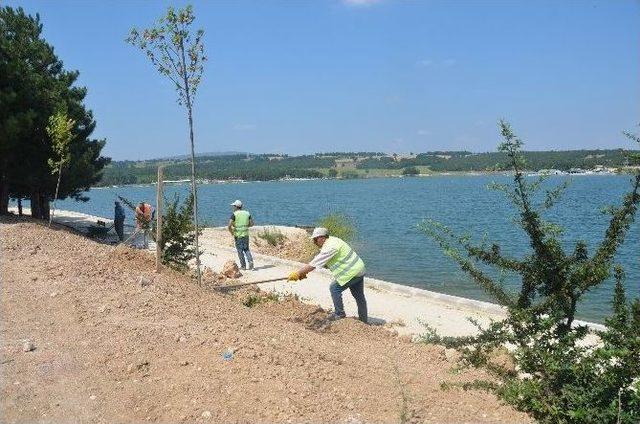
x,y
159,198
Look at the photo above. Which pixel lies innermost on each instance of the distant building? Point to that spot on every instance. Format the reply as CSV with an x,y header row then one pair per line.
x,y
345,164
550,172
400,156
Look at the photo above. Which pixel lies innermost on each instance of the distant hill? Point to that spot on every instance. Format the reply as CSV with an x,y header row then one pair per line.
x,y
205,154
261,167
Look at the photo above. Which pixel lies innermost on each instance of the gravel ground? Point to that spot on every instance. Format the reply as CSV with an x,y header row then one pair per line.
x,y
89,333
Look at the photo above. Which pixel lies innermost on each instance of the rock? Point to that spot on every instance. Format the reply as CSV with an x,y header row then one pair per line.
x,y
208,274
450,354
143,281
184,363
92,397
230,270
28,346
206,414
140,366
54,294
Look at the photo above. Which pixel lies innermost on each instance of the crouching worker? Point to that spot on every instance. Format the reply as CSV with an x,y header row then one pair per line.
x,y
144,216
345,265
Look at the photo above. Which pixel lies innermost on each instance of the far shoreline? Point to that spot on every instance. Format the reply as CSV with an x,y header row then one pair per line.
x,y
183,181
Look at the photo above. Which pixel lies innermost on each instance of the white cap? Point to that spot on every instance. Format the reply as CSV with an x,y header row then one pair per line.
x,y
237,204
319,232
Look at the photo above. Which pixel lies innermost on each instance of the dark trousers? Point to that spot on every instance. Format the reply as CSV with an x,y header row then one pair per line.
x,y
119,226
242,246
356,285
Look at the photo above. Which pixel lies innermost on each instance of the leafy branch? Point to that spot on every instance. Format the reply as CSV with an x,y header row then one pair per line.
x,y
558,378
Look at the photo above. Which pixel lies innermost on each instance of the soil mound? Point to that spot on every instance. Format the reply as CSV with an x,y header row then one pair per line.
x,y
92,334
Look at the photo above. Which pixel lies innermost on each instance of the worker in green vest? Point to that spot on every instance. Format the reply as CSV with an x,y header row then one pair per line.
x,y
345,265
239,224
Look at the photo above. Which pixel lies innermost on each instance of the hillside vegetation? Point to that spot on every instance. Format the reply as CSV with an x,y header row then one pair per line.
x,y
350,165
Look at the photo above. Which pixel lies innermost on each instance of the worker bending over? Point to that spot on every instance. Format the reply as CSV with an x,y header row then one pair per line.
x,y
345,265
239,224
144,216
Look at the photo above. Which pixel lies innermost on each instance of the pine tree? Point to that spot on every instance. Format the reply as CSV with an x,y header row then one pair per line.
x,y
34,85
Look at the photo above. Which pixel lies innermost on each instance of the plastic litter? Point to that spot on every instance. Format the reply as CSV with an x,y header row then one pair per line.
x,y
227,355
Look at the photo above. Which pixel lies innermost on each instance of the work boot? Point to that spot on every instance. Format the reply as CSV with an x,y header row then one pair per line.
x,y
334,317
250,266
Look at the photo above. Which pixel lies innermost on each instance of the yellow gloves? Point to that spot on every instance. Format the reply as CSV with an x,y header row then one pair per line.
x,y
294,276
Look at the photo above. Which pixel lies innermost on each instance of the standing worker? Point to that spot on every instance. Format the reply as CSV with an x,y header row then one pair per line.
x,y
239,224
118,221
345,265
143,221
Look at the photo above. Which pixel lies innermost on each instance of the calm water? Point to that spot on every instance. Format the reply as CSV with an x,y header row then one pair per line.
x,y
387,211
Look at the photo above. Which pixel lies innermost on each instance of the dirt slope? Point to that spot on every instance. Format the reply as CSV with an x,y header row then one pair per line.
x,y
115,342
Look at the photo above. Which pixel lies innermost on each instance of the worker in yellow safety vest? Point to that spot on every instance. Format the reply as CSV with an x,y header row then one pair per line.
x,y
239,224
346,266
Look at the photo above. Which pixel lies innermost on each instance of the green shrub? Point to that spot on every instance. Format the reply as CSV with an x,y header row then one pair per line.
x,y
273,236
178,233
254,299
557,378
349,174
411,170
339,225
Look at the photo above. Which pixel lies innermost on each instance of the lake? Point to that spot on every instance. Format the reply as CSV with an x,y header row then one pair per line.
x,y
387,211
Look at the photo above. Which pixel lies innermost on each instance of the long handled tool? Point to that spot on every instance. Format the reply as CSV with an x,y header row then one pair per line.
x,y
251,283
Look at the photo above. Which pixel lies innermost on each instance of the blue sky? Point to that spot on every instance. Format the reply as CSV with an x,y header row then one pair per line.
x,y
389,75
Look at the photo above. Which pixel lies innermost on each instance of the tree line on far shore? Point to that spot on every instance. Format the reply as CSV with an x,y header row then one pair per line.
x,y
34,86
262,167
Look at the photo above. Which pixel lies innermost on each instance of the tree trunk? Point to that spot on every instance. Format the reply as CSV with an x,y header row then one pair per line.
x,y
193,161
4,196
44,206
35,204
159,198
19,206
53,212
39,204
195,195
